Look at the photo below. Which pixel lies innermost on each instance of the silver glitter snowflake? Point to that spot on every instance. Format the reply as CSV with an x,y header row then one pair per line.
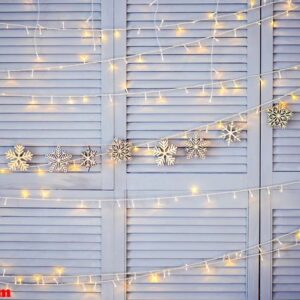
x,y
278,116
19,158
88,158
165,153
120,150
231,133
59,160
196,147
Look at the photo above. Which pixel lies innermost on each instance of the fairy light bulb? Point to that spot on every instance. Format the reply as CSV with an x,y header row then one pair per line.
x,y
239,16
252,3
45,193
84,58
117,34
59,271
19,280
297,235
140,58
40,172
37,278
154,278
25,194
194,190
180,30
85,99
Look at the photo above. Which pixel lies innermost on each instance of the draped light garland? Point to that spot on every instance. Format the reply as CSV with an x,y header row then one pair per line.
x,y
195,194
154,276
111,61
140,29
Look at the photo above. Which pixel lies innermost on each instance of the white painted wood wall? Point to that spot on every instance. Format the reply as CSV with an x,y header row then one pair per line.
x,y
35,237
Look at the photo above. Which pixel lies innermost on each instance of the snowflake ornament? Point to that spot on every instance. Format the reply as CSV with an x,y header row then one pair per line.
x,y
231,133
88,158
278,116
59,160
165,153
19,158
196,147
120,150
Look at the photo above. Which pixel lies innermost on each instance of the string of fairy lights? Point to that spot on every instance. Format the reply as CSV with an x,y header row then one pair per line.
x,y
186,45
163,25
154,276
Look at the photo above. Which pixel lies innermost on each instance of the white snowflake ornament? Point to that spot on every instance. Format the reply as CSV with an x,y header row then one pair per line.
x,y
196,147
231,133
59,160
120,150
165,153
19,158
88,158
279,115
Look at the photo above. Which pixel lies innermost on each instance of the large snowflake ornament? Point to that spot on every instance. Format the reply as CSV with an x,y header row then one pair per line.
x,y
88,158
196,147
231,133
165,153
278,116
59,160
19,158
120,150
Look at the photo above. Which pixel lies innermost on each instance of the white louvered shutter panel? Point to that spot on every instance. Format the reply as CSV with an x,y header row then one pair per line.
x,y
280,153
286,147
280,270
285,264
186,232
191,230
38,238
155,117
71,122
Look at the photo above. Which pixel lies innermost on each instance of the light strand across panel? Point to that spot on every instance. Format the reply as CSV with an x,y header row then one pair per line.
x,y
116,278
159,93
158,200
139,30
111,61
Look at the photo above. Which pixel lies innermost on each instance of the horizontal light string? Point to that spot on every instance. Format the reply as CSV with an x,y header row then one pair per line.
x,y
139,29
132,276
158,199
163,49
157,92
201,127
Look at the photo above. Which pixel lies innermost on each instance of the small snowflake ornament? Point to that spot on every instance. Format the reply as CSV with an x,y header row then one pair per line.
x,y
165,153
88,158
231,133
120,150
19,158
279,115
59,160
196,147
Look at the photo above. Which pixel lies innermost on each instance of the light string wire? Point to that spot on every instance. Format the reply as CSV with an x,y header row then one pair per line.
x,y
140,28
181,88
157,29
110,60
206,196
205,126
130,276
37,27
212,52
